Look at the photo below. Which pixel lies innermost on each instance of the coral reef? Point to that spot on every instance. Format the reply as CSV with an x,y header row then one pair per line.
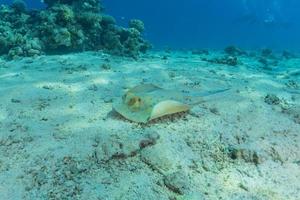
x,y
266,53
234,51
137,24
288,55
66,26
19,6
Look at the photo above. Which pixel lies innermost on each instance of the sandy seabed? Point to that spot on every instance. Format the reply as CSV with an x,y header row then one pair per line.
x,y
60,139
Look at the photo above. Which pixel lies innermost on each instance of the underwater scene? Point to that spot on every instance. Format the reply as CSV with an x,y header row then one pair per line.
x,y
149,100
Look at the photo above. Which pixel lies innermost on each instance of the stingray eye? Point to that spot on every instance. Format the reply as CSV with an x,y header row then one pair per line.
x,y
132,101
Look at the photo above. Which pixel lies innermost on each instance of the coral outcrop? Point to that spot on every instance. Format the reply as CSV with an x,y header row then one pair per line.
x,y
66,26
234,51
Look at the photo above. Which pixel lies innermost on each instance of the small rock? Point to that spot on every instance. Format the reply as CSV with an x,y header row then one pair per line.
x,y
106,66
292,84
297,162
214,110
93,87
232,61
272,99
108,99
227,60
48,87
167,156
118,147
246,153
172,74
164,57
234,51
15,101
178,182
266,52
263,61
294,112
149,140
288,55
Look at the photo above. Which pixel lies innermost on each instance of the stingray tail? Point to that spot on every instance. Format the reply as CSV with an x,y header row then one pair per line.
x,y
213,92
207,93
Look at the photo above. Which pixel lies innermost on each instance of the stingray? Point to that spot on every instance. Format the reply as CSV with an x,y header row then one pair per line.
x,y
146,102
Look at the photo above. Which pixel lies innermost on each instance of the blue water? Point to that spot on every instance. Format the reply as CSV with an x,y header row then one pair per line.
x,y
211,23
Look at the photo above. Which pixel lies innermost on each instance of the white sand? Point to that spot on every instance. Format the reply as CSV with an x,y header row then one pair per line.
x,y
60,140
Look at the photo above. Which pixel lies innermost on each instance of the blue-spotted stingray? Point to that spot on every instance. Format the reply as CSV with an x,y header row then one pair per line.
x,y
146,102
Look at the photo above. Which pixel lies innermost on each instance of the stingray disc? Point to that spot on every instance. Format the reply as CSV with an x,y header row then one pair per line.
x,y
146,102
168,107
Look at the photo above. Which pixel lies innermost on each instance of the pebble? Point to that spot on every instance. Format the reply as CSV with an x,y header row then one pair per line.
x,y
177,182
272,99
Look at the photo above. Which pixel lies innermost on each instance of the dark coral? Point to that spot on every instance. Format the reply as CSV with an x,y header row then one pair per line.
x,y
227,60
137,24
272,99
66,26
266,53
19,6
234,51
288,55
